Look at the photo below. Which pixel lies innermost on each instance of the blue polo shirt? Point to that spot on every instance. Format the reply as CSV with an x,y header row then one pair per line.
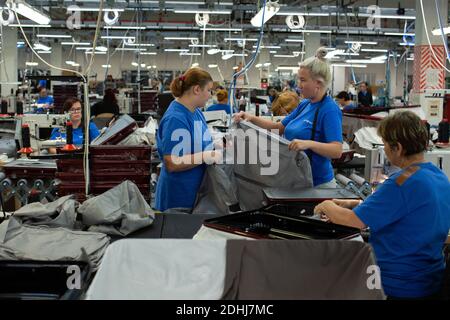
x,y
181,132
349,107
409,224
219,107
47,100
77,134
298,125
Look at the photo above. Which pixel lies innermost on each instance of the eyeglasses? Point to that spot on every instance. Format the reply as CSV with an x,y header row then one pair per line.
x,y
75,110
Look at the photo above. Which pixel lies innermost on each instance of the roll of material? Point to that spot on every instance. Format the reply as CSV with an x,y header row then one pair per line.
x,y
344,180
359,180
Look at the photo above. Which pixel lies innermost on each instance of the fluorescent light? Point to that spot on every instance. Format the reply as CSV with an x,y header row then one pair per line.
x,y
212,66
406,44
180,38
118,37
365,61
241,39
30,25
195,64
330,49
386,16
362,42
70,62
285,56
349,65
26,10
202,11
40,46
401,34
75,65
96,52
176,50
20,43
259,65
53,36
213,51
235,67
31,64
311,14
347,54
287,68
374,50
190,54
134,64
294,40
80,9
410,59
42,52
311,31
268,47
267,12
101,48
227,56
143,65
267,64
148,53
131,49
75,43
202,45
272,52
125,27
106,66
437,32
140,44
222,29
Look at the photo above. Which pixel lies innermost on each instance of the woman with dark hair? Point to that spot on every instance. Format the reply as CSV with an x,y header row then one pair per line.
x,y
108,105
408,215
344,100
74,108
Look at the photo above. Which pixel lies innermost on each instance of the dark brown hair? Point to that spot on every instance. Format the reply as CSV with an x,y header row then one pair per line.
x,y
192,77
407,129
110,97
70,102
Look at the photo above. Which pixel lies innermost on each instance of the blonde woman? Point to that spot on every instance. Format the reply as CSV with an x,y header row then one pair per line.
x,y
315,126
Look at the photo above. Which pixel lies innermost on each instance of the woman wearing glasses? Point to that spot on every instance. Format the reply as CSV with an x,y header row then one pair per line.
x,y
73,106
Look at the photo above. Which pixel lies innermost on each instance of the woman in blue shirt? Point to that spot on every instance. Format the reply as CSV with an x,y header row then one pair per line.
x,y
45,100
73,106
184,142
408,215
222,98
344,100
317,108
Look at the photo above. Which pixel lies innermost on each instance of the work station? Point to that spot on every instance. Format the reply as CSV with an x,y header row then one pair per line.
x,y
225,150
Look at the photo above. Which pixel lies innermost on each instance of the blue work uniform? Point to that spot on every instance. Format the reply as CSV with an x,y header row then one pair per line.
x,y
409,220
349,107
181,132
219,107
299,125
44,100
78,134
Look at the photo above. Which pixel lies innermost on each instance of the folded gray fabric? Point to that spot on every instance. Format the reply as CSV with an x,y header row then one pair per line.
x,y
119,211
42,243
59,213
298,269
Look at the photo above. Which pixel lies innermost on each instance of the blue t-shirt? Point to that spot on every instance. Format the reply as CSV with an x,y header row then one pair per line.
x,y
47,100
298,125
219,106
350,107
181,132
409,225
77,134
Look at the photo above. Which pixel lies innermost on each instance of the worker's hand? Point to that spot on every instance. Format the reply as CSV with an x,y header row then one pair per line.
x,y
349,204
299,145
212,157
237,117
323,208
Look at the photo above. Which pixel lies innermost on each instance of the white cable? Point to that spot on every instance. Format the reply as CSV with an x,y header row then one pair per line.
x,y
97,30
428,37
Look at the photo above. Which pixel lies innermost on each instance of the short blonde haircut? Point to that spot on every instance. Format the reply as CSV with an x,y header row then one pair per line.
x,y
287,100
318,67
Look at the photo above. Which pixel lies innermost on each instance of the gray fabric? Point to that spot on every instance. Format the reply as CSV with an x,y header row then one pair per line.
x,y
25,242
218,191
119,211
328,185
59,213
221,185
319,270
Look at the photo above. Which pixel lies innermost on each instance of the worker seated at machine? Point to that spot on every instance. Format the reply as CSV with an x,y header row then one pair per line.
x,y
73,106
222,98
44,101
107,106
285,103
408,215
365,95
343,98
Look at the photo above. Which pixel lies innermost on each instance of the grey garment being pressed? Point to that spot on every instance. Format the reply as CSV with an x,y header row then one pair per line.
x,y
244,178
317,270
42,243
119,211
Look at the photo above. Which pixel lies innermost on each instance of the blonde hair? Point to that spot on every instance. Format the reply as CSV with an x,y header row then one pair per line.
x,y
222,95
318,67
192,77
287,100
